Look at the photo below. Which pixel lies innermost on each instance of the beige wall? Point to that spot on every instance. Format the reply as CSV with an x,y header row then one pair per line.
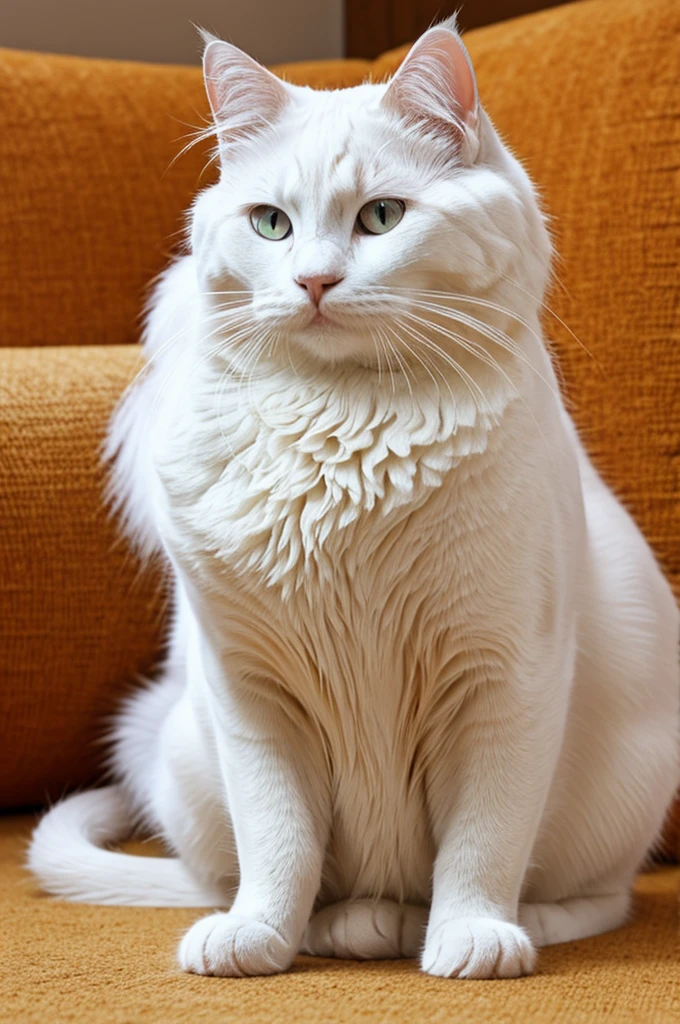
x,y
161,30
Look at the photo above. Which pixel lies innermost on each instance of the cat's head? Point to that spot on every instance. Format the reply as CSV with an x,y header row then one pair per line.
x,y
342,219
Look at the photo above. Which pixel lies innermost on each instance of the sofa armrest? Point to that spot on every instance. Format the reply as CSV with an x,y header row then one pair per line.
x,y
78,622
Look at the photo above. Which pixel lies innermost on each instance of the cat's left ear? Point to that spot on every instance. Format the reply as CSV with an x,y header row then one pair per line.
x,y
244,97
436,88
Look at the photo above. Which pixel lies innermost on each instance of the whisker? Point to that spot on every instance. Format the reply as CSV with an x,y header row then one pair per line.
x,y
464,343
468,298
404,367
481,353
415,355
493,334
290,359
474,300
390,349
405,327
385,349
469,380
377,357
196,135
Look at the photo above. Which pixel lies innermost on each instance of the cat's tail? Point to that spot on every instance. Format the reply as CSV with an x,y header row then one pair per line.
x,y
67,858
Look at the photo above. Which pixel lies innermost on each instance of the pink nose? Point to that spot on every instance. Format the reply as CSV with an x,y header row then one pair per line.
x,y
317,284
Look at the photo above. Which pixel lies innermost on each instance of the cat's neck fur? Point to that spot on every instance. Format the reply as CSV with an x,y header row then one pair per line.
x,y
291,453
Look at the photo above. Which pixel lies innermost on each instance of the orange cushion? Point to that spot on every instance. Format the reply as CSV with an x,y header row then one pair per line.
x,y
77,621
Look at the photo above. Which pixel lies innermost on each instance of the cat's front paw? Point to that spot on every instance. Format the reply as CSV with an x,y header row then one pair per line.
x,y
477,947
233,946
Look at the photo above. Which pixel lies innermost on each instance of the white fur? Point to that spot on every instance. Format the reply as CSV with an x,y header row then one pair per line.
x,y
421,657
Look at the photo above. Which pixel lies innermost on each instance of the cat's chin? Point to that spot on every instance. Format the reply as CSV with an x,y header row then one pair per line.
x,y
330,342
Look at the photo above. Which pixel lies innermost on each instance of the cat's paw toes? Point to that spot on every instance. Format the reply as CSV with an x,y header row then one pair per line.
x,y
478,947
233,946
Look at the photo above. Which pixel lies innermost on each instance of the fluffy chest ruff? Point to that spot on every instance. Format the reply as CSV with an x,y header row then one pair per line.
x,y
281,475
321,528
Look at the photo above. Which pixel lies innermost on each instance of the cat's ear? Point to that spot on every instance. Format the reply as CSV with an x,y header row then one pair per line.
x,y
244,97
436,88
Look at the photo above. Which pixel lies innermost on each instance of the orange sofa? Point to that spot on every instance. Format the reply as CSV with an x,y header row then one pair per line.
x,y
91,203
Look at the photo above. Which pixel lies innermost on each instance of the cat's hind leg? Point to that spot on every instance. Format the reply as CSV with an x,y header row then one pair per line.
x,y
188,806
164,756
366,929
574,918
164,785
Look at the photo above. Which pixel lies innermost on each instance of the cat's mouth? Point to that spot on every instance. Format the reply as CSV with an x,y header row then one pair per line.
x,y
320,319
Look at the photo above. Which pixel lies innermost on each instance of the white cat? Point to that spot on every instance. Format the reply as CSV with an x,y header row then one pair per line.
x,y
422,688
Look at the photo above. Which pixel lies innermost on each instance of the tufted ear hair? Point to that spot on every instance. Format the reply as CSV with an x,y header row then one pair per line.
x,y
244,97
435,88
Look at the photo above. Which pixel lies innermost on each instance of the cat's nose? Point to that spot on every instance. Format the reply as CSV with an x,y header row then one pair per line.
x,y
317,285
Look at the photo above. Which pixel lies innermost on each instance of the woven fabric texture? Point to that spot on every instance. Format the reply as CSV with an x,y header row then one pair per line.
x,y
67,963
77,620
586,95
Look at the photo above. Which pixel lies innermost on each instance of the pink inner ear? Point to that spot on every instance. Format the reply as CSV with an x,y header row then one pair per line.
x,y
436,81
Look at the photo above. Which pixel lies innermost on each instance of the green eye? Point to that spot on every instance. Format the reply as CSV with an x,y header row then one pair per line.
x,y
270,223
381,215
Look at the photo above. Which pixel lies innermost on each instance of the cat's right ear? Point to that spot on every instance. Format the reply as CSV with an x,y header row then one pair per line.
x,y
435,88
244,97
